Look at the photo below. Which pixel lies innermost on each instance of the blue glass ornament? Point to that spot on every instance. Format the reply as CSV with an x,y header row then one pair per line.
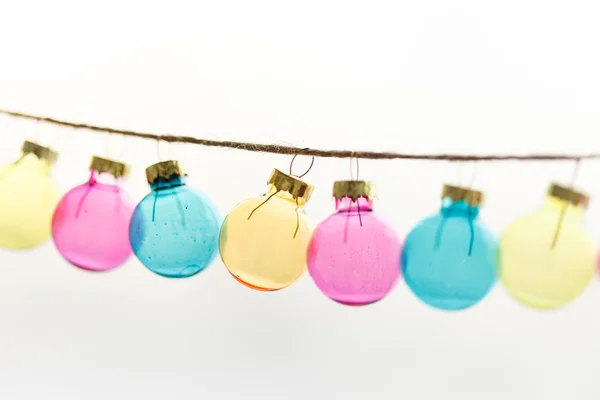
x,y
174,230
449,259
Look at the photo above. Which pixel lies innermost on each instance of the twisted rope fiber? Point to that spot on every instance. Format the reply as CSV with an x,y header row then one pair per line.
x,y
279,149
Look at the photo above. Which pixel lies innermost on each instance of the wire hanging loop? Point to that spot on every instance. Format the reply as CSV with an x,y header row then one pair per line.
x,y
297,209
117,149
473,176
36,130
159,154
566,205
460,168
107,144
354,161
352,164
312,162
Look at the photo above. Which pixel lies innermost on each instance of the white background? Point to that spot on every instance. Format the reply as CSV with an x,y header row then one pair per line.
x,y
412,76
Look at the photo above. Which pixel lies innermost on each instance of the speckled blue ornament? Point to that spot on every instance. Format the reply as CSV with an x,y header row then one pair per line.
x,y
174,230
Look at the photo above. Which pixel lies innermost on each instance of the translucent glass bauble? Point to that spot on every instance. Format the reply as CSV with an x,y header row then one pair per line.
x,y
449,259
353,255
174,230
544,265
28,197
266,251
90,227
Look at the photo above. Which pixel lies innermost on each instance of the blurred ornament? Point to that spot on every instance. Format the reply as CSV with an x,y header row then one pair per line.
x,y
28,197
353,255
449,259
174,230
264,239
546,258
90,226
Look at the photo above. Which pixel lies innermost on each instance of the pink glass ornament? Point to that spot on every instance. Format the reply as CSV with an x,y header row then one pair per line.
x,y
90,226
354,255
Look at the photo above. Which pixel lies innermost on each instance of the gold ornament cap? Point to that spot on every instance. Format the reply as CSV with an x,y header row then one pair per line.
x,y
41,152
104,165
473,198
300,190
569,195
164,170
354,190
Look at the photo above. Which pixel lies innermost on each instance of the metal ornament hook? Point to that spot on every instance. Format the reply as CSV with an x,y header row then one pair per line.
x,y
312,162
352,169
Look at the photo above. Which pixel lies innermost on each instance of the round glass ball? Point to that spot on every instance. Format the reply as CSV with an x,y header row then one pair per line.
x,y
90,225
449,259
354,254
174,230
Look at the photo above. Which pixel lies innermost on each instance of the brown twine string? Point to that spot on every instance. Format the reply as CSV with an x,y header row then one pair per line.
x,y
278,149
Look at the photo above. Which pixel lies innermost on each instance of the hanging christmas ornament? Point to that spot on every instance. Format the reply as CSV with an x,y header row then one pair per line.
x,y
90,226
264,239
449,259
28,197
353,255
174,230
546,258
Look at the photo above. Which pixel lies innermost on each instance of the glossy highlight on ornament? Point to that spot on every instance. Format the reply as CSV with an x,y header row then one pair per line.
x,y
90,226
28,197
449,258
264,239
174,230
547,258
353,255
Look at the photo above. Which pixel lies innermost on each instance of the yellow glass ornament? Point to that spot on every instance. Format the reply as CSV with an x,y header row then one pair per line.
x,y
546,258
28,198
264,239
